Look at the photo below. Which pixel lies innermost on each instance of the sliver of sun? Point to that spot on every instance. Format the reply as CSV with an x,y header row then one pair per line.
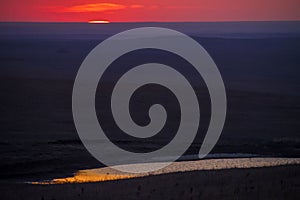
x,y
98,22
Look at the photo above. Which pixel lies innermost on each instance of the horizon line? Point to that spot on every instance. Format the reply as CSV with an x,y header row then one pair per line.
x,y
115,22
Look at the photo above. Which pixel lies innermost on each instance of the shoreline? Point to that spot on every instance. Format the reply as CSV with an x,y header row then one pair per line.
x,y
117,172
261,182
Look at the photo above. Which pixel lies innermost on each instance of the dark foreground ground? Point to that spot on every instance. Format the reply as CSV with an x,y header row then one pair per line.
x,y
281,182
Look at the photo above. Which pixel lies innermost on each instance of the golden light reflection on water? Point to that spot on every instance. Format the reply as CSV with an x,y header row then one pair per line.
x,y
109,174
86,176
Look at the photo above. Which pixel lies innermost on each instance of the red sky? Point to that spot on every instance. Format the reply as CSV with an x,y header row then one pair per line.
x,y
147,10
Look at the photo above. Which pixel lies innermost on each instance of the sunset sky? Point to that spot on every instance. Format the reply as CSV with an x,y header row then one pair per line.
x,y
145,10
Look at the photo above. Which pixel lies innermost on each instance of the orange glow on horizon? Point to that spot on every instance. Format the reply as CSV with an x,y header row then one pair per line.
x,y
99,22
150,11
96,7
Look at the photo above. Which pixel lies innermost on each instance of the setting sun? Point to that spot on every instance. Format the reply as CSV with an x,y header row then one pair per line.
x,y
98,22
149,11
